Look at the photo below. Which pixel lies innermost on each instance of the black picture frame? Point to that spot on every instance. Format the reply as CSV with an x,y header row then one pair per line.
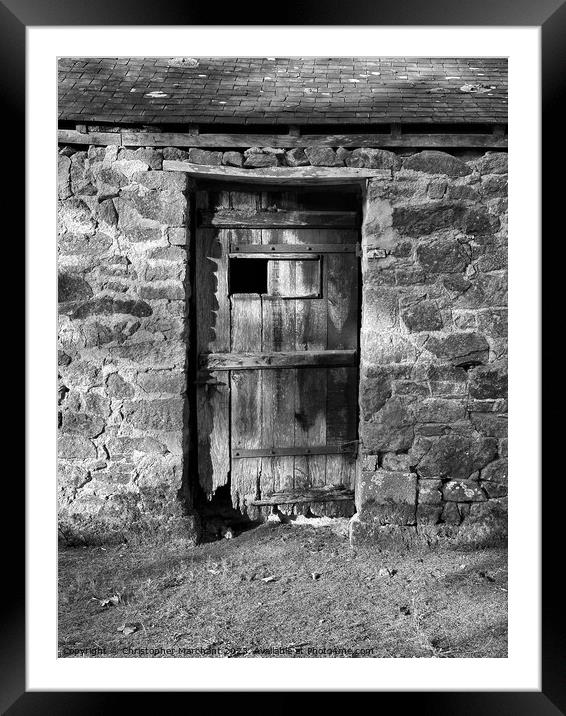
x,y
15,16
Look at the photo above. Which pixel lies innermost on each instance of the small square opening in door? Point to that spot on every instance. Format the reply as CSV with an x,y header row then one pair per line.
x,y
248,275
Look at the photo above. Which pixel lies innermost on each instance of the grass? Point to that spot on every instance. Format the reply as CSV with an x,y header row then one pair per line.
x,y
326,599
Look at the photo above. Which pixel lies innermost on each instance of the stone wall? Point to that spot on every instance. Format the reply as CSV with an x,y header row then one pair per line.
x,y
265,157
433,388
433,340
122,255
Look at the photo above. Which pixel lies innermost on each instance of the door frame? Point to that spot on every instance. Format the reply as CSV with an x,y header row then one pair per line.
x,y
255,181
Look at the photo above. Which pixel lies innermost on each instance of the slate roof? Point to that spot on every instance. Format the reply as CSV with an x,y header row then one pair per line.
x,y
253,90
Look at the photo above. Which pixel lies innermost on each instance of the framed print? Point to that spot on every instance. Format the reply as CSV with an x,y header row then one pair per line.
x,y
288,393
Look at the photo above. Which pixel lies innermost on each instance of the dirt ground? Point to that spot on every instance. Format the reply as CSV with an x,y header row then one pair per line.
x,y
283,590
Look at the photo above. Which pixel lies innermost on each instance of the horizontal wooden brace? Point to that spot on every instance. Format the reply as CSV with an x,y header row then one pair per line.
x,y
279,219
308,249
314,495
278,359
288,141
273,297
283,256
345,449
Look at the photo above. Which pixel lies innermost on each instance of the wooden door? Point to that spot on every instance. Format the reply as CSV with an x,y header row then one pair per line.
x,y
277,343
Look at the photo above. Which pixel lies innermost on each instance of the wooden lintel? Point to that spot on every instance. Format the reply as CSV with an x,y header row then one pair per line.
x,y
279,219
289,141
308,249
278,175
277,359
347,449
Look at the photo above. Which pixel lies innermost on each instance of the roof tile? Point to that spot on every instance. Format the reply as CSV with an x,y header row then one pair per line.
x,y
259,90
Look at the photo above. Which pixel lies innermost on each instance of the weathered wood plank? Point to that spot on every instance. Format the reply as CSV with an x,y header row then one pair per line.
x,y
246,420
308,279
270,466
278,175
308,248
213,428
213,333
342,405
311,383
287,201
278,396
311,324
276,359
244,201
311,500
286,141
71,136
277,471
277,219
279,333
342,292
293,278
311,321
310,425
342,398
305,495
212,301
333,241
341,470
246,405
300,256
246,408
312,450
246,322
281,278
